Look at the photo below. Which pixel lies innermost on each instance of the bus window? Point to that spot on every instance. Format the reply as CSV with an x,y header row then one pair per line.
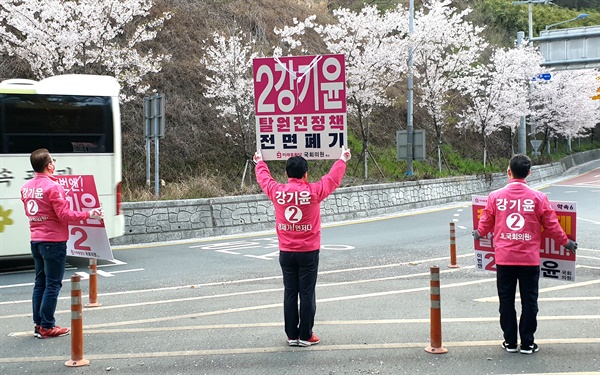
x,y
63,124
77,118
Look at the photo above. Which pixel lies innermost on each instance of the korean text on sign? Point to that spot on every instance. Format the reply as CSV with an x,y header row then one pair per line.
x,y
300,105
556,262
87,238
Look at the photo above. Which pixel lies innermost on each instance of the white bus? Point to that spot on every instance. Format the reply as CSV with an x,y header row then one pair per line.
x,y
77,118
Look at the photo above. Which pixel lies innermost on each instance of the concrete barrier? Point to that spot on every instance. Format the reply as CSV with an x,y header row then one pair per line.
x,y
155,221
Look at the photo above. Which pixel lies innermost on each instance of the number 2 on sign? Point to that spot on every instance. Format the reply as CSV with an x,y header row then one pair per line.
x,y
78,245
491,264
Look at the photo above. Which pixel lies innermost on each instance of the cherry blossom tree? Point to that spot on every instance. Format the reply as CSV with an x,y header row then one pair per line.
x,y
375,45
83,36
563,105
446,48
499,92
229,62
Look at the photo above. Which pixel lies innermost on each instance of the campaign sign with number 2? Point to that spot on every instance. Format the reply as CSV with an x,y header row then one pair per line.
x,y
87,238
556,262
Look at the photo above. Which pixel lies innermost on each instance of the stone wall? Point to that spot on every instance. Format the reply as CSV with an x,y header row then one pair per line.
x,y
155,221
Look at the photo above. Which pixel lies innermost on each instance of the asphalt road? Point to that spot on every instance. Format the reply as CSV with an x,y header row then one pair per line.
x,y
214,306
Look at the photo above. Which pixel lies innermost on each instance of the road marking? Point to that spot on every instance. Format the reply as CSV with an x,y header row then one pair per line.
x,y
551,289
588,220
89,330
84,276
592,250
405,213
269,256
247,308
284,348
590,267
586,257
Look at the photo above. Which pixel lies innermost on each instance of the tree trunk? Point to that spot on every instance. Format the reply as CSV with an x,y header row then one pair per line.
x,y
366,157
484,151
439,153
438,136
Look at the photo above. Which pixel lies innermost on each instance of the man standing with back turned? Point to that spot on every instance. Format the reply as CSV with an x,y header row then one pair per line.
x,y
298,225
516,214
49,213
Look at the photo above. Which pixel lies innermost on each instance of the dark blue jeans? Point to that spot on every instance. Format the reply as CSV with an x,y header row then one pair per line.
x,y
50,259
528,278
299,280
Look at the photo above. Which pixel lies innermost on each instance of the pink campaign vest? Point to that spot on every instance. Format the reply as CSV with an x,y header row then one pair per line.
x,y
47,209
298,206
516,214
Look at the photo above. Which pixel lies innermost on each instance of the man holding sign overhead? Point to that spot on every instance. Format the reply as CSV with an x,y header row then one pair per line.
x,y
298,225
48,212
516,215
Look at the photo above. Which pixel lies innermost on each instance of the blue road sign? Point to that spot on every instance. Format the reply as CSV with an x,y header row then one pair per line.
x,y
542,77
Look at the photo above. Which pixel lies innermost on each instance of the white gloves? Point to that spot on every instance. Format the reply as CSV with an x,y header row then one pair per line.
x,y
346,155
257,157
97,213
476,235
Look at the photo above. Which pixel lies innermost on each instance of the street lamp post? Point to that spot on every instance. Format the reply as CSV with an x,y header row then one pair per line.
x,y
579,17
530,3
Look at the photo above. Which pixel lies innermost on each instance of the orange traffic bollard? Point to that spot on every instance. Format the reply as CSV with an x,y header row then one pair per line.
x,y
435,346
93,284
453,247
77,359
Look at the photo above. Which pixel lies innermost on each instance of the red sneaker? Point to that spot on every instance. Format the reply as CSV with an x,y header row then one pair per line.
x,y
314,340
52,332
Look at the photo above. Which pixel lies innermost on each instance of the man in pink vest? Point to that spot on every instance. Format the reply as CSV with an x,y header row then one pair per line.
x,y
516,215
49,213
298,225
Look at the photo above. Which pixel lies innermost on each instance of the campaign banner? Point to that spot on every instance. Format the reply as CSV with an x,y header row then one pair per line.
x,y
87,238
556,262
300,106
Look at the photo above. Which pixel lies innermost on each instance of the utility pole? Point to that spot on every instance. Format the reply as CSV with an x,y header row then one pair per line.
x,y
409,112
522,130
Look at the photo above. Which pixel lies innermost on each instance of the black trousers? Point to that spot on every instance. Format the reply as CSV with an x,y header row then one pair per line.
x,y
528,278
299,280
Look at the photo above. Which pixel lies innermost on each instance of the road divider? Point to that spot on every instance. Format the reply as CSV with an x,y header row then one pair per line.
x,y
435,346
77,359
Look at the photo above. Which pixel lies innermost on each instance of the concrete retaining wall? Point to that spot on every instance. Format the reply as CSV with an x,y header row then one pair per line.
x,y
155,221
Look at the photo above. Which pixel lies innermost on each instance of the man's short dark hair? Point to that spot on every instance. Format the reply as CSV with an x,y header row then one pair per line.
x,y
296,167
39,159
520,166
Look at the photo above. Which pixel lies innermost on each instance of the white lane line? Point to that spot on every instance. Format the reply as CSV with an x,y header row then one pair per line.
x,y
84,276
579,256
261,291
374,322
590,267
318,348
319,285
550,289
588,220
585,249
